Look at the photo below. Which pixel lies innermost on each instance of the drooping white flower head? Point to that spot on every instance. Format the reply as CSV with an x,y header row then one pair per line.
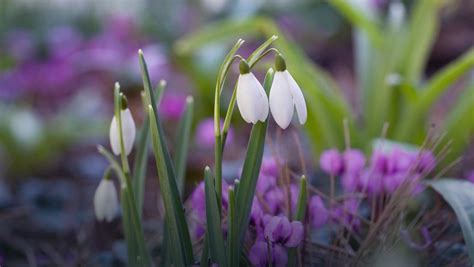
x,y
396,14
251,98
128,131
285,96
105,201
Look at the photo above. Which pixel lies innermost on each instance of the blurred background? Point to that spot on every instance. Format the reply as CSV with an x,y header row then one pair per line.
x,y
59,60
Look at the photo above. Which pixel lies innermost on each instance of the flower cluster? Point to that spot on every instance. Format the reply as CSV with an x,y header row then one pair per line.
x,y
285,96
267,215
388,170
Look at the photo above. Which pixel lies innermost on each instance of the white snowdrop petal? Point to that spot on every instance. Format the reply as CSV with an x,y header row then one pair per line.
x,y
248,98
281,103
114,136
128,129
298,98
262,104
105,201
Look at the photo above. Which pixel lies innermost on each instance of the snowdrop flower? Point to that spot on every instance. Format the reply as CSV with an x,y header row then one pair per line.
x,y
128,131
285,95
105,201
251,98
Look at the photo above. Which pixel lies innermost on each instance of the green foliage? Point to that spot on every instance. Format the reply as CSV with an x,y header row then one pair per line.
x,y
459,194
389,60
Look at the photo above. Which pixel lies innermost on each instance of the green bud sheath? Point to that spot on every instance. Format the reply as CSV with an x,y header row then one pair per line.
x,y
124,102
280,64
244,67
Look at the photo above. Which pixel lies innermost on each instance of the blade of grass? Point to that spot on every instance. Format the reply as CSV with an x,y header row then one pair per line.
x,y
214,230
232,235
184,132
299,216
248,180
431,92
423,26
181,242
141,155
367,24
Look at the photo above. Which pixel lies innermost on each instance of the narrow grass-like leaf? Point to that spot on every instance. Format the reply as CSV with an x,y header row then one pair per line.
x,y
299,216
253,160
258,52
422,29
459,194
459,124
205,252
141,155
361,20
182,143
181,242
232,235
431,92
213,232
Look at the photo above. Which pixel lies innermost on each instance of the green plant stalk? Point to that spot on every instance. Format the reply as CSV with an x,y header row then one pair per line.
x,y
141,155
232,235
218,147
253,160
213,222
142,257
181,242
184,132
299,216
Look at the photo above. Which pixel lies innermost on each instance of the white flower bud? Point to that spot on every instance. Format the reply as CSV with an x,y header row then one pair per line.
x,y
128,131
105,201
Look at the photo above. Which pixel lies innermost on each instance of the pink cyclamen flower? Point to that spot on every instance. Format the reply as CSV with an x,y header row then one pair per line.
x,y
331,162
280,230
354,161
259,255
318,213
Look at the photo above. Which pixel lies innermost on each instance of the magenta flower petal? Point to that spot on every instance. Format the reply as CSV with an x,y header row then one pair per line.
x,y
354,161
278,229
258,254
280,256
296,235
318,213
331,162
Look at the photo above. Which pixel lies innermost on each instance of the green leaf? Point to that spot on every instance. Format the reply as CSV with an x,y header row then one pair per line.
x,y
363,21
232,234
433,90
184,133
141,155
181,247
252,59
459,124
214,232
459,194
253,160
422,29
300,214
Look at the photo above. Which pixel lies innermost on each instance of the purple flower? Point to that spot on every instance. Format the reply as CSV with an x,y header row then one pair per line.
x,y
350,181
265,183
345,214
426,162
393,182
318,213
354,161
259,255
331,162
371,182
20,44
280,230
